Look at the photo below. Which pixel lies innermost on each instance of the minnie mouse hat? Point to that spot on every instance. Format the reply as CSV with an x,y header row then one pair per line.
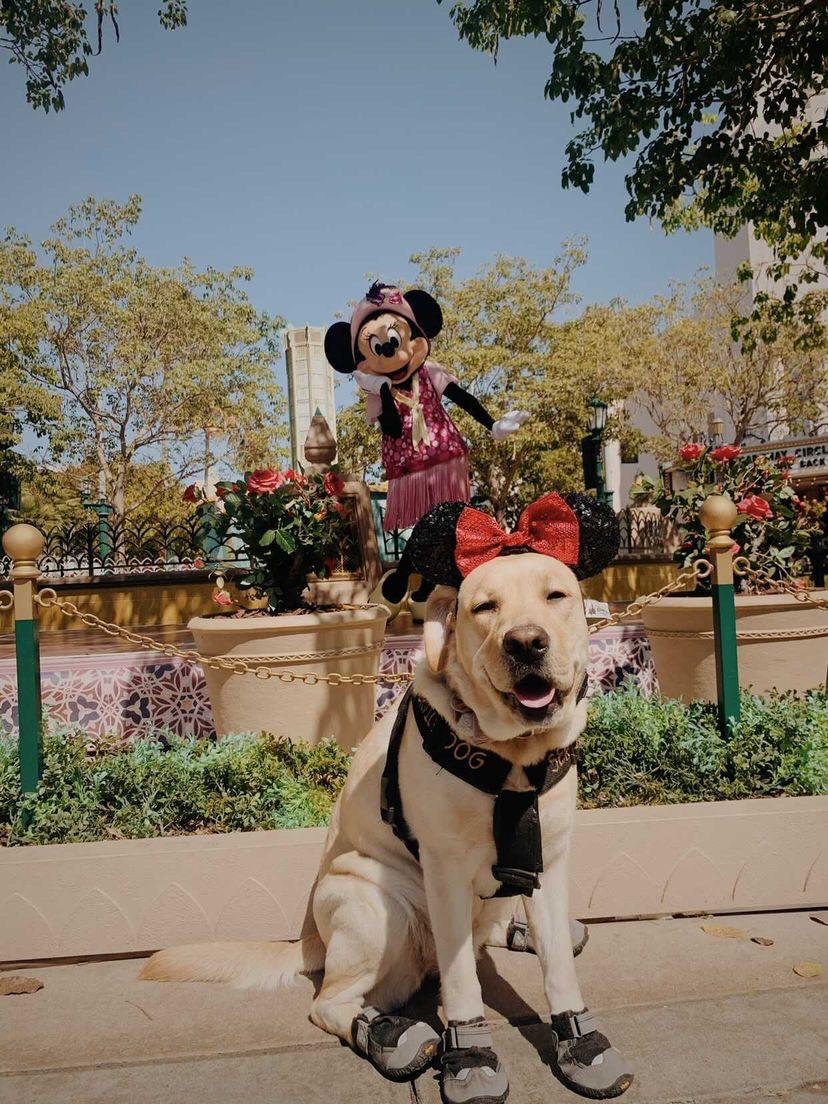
x,y
453,538
381,298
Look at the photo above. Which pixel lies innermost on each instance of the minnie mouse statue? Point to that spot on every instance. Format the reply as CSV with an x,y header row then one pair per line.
x,y
386,348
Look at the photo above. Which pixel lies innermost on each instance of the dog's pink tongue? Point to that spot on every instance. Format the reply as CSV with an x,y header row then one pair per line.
x,y
535,701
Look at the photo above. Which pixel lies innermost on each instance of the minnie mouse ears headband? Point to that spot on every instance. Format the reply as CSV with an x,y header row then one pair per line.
x,y
452,539
417,307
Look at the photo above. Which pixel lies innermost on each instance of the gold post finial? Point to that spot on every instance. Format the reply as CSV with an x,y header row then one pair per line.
x,y
24,545
718,515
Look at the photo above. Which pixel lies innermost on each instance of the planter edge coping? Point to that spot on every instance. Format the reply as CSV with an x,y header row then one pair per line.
x,y
297,837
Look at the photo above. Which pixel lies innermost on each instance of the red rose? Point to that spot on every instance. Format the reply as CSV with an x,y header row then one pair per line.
x,y
222,598
786,461
292,476
265,481
691,452
191,493
725,453
334,484
342,508
754,506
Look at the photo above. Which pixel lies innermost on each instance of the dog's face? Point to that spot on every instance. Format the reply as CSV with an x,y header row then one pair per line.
x,y
512,642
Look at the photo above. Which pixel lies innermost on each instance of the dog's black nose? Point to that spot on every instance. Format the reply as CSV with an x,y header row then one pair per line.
x,y
527,643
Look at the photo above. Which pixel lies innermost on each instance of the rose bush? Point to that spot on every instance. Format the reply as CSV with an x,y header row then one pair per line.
x,y
774,528
289,524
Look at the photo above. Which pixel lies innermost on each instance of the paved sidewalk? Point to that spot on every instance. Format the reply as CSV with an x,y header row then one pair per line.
x,y
704,1019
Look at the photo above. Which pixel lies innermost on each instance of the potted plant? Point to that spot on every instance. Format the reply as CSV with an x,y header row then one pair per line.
x,y
781,640
289,526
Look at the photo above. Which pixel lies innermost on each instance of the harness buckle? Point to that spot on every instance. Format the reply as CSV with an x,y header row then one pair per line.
x,y
524,880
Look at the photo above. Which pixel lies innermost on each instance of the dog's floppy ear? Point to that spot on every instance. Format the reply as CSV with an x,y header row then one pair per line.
x,y
599,536
426,311
338,348
438,626
430,547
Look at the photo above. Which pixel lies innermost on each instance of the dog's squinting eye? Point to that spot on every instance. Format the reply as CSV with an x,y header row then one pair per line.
x,y
555,595
485,607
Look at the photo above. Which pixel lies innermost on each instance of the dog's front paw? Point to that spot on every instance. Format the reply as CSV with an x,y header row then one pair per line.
x,y
399,1048
586,1062
471,1072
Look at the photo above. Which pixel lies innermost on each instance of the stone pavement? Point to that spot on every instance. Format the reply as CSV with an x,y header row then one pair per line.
x,y
704,1019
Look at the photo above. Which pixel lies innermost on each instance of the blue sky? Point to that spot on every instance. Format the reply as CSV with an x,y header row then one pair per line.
x,y
316,141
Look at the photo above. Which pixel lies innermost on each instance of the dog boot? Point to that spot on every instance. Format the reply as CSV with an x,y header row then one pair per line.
x,y
586,1063
471,1072
396,1046
519,938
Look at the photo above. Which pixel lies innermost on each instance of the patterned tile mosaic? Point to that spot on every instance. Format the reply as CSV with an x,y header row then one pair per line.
x,y
133,693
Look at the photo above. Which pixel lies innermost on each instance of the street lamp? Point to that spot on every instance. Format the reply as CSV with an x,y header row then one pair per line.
x,y
592,450
597,415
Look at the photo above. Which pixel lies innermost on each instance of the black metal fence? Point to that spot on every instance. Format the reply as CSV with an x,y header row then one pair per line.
x,y
645,534
101,547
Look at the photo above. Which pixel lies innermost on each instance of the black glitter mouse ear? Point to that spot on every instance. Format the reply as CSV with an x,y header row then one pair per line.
x,y
430,548
599,535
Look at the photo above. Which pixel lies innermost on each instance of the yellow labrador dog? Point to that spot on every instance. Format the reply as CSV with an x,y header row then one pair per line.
x,y
415,854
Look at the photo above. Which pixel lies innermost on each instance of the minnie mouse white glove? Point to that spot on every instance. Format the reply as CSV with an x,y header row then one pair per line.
x,y
371,384
510,423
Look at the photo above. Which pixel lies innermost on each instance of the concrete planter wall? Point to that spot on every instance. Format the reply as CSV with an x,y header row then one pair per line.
x,y
782,644
138,895
345,642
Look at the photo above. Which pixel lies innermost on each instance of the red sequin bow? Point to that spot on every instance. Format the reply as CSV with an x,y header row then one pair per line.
x,y
547,526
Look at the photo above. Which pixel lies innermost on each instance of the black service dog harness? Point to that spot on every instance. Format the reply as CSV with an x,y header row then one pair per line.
x,y
515,822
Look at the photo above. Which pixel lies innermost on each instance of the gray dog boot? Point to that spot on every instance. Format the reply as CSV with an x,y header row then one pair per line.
x,y
471,1072
586,1063
396,1046
519,938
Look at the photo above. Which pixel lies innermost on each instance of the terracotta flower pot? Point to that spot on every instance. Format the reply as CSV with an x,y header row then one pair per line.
x,y
782,644
346,641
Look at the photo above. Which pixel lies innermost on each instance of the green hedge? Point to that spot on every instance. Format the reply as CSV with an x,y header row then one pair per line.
x,y
635,751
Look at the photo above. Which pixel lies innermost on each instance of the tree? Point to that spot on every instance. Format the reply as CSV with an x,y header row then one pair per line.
x,y
50,40
149,365
688,365
723,106
357,443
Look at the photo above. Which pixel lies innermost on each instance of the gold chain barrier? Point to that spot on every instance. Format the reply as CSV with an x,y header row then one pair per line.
x,y
786,585
48,599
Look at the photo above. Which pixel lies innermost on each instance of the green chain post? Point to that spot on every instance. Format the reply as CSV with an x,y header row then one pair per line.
x,y
718,515
23,544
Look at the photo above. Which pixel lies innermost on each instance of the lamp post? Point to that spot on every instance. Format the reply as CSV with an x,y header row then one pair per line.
x,y
102,510
592,450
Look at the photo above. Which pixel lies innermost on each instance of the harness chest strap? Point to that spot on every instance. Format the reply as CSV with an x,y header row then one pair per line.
x,y
515,819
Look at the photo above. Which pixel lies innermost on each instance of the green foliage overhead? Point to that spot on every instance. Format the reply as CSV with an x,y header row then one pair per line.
x,y
635,751
50,39
721,105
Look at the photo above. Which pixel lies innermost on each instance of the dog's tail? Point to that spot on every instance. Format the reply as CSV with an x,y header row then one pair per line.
x,y
244,965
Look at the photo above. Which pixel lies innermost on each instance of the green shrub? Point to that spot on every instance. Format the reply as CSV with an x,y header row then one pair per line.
x,y
635,751
647,751
167,786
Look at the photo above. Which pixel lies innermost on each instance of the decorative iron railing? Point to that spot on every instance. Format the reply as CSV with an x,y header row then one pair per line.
x,y
102,547
644,533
